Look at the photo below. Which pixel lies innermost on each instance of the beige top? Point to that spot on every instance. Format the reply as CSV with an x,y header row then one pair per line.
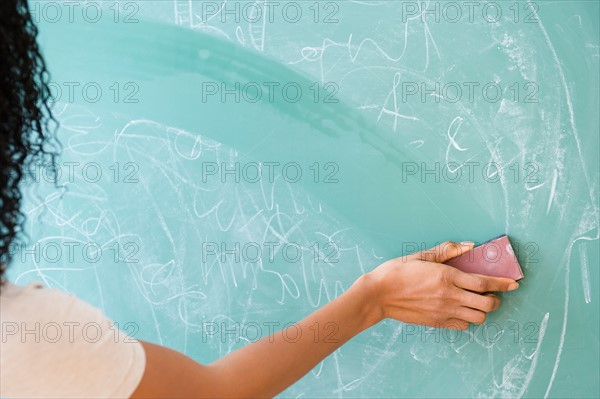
x,y
55,345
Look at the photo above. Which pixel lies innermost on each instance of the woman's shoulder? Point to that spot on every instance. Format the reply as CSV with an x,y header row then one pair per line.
x,y
56,344
10,289
35,300
13,291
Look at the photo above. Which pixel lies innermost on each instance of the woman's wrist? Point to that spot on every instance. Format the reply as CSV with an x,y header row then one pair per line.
x,y
366,293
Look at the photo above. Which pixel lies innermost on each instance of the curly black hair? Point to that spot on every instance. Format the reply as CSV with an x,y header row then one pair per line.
x,y
26,136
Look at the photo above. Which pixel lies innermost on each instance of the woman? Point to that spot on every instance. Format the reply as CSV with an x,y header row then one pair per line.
x,y
42,355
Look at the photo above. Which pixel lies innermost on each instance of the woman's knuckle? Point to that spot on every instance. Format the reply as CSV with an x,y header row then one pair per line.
x,y
444,294
447,275
440,304
480,318
488,304
497,303
480,284
452,244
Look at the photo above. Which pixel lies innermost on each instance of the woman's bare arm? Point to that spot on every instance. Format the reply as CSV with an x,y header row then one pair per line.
x,y
415,289
262,368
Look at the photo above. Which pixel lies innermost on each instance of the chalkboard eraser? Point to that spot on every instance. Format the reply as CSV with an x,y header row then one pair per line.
x,y
493,258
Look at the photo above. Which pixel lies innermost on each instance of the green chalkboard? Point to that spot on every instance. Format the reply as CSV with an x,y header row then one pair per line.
x,y
228,167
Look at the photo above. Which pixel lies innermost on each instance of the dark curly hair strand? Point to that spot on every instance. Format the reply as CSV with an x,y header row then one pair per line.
x,y
25,118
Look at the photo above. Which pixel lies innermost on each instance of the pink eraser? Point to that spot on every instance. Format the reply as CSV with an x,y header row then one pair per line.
x,y
493,258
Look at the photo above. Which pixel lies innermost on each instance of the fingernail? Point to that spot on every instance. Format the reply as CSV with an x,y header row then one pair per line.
x,y
467,243
513,286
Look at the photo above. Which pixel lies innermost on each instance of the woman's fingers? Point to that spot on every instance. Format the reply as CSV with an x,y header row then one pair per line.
x,y
481,283
443,252
470,315
455,324
485,303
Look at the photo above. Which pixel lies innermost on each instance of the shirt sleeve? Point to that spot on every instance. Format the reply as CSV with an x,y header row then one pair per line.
x,y
55,345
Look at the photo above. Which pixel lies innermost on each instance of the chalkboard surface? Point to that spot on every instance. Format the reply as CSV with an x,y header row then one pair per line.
x,y
229,167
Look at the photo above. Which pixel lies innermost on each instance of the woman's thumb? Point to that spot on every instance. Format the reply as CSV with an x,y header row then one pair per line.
x,y
445,251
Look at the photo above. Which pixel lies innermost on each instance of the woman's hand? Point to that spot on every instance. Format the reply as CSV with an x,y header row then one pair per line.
x,y
419,289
